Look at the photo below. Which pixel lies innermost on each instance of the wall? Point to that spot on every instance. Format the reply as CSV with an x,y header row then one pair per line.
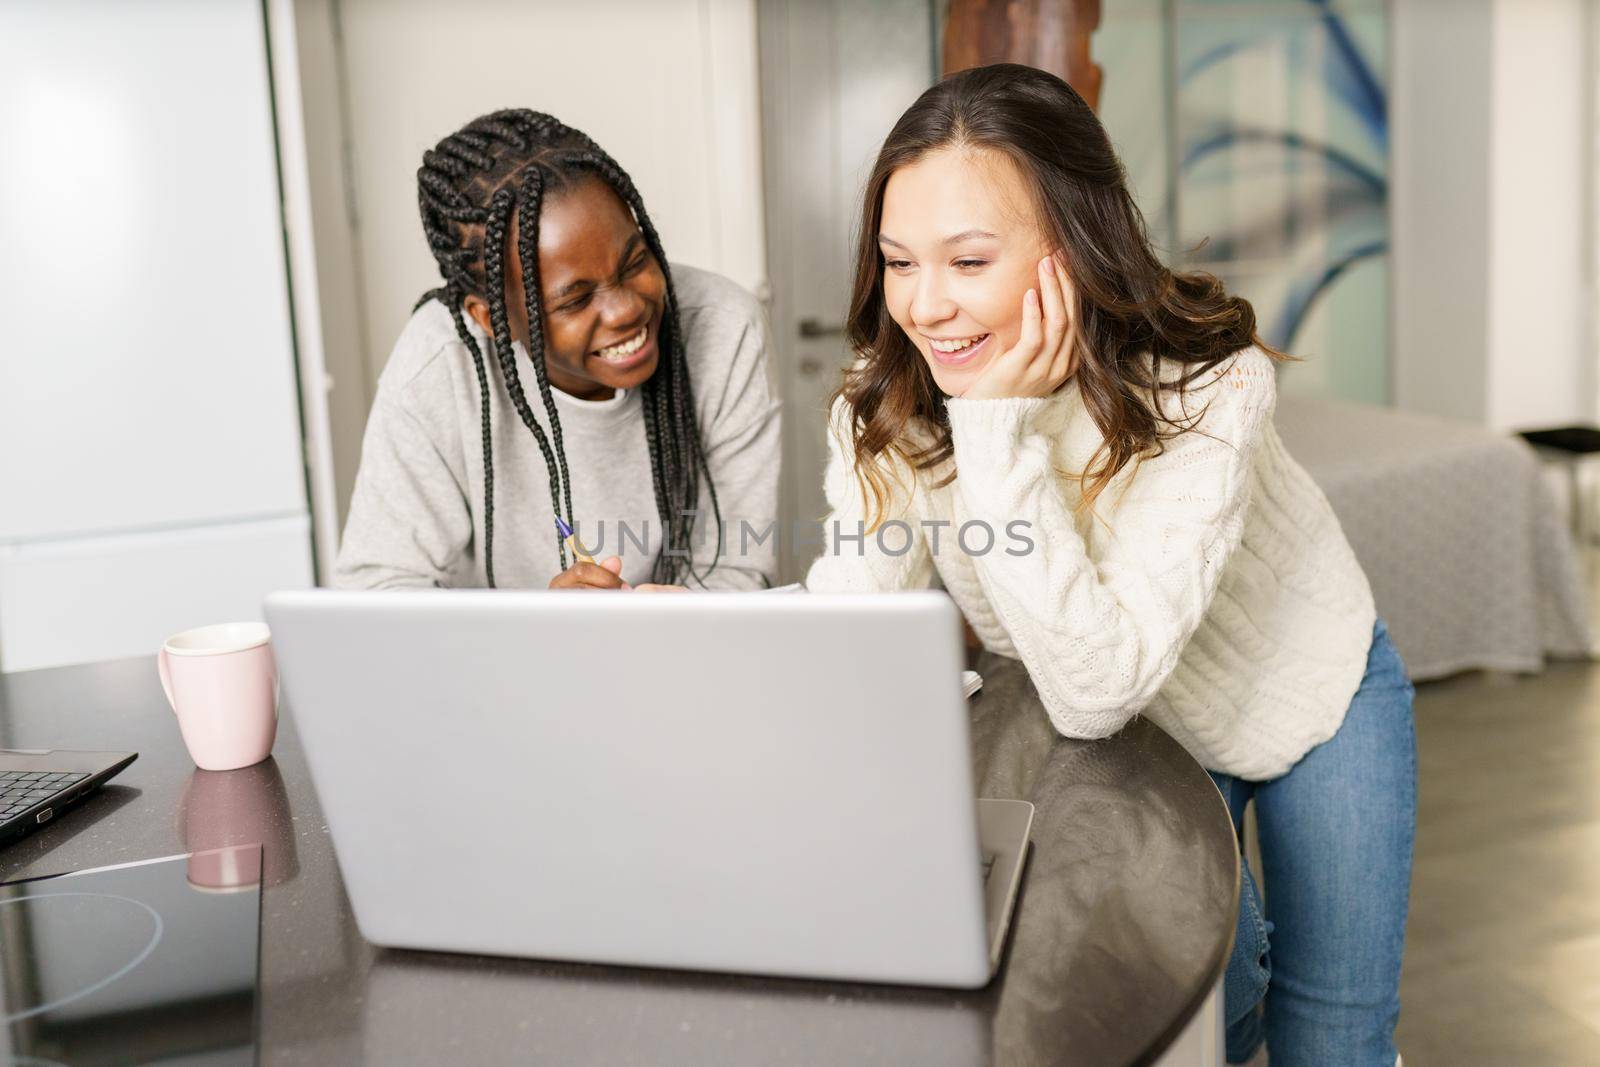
x,y
668,87
1493,110
1439,174
335,267
1540,361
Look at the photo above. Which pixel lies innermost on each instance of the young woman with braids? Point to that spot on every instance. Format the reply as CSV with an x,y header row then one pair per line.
x,y
563,370
1025,357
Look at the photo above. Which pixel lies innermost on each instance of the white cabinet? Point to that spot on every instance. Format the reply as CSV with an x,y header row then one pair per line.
x,y
150,435
93,598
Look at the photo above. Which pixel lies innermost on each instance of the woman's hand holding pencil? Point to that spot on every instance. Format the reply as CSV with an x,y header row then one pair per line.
x,y
585,573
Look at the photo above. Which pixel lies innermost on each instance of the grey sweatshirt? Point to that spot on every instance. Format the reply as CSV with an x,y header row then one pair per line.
x,y
416,517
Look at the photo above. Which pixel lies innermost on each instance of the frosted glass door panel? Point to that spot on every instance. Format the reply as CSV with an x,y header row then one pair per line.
x,y
98,598
146,361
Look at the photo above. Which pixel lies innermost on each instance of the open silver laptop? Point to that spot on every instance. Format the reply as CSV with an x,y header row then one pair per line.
x,y
772,785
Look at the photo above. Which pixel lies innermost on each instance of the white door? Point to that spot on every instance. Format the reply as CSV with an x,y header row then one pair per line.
x,y
835,75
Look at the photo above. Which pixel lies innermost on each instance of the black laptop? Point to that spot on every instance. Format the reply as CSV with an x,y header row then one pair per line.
x,y
36,785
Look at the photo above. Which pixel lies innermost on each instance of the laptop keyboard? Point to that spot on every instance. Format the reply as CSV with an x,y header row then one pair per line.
x,y
21,790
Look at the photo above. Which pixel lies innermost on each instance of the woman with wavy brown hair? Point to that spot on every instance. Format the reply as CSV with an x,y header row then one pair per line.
x,y
1079,441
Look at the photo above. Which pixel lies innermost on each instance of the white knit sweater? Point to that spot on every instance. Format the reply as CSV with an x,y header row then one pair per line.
x,y
1212,589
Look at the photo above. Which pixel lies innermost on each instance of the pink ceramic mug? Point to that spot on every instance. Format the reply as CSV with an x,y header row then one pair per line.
x,y
223,684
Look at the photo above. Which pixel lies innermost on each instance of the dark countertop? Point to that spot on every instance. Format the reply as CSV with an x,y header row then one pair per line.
x,y
1122,929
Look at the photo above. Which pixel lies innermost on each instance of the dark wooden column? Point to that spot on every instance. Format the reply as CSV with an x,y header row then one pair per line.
x,y
1052,35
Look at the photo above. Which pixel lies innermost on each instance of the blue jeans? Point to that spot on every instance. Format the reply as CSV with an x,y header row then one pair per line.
x,y
1336,833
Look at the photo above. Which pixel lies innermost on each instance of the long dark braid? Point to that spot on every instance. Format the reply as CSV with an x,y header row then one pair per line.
x,y
467,187
494,244
530,197
670,418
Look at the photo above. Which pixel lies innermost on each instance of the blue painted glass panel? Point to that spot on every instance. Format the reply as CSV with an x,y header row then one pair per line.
x,y
1256,138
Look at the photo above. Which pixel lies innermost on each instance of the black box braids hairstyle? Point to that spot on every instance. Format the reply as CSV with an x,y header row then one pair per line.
x,y
467,188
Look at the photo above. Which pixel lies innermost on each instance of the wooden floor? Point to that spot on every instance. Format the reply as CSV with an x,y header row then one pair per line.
x,y
1502,960
1503,945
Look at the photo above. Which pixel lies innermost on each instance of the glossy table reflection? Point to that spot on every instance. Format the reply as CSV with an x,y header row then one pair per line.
x,y
1120,935
155,962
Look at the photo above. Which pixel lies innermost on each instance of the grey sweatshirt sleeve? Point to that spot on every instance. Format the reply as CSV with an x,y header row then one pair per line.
x,y
741,432
409,520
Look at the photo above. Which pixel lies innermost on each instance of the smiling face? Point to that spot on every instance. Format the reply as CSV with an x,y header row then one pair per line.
x,y
604,295
961,246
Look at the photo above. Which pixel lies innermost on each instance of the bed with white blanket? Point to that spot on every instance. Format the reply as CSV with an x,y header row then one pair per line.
x,y
1471,561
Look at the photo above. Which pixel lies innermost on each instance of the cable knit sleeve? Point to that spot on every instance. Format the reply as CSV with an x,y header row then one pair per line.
x,y
852,560
1100,635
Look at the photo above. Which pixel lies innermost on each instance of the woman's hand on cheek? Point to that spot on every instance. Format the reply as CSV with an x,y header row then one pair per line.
x,y
1045,354
603,575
